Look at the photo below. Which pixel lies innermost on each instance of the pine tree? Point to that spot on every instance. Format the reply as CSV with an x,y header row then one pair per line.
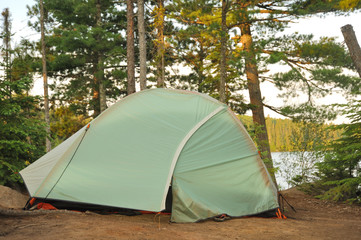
x,y
353,46
22,131
142,47
315,67
159,14
223,58
130,48
45,76
85,52
340,173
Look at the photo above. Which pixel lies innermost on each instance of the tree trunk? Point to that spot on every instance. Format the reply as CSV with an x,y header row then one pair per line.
x,y
130,48
102,92
6,40
256,98
223,69
95,89
100,64
199,68
45,78
160,45
353,46
7,49
142,47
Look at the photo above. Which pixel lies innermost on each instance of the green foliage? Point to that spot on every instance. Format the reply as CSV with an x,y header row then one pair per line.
x,y
198,47
80,50
349,4
22,134
307,7
65,122
314,67
306,140
347,190
286,135
340,172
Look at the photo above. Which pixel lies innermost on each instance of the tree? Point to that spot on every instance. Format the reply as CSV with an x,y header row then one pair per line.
x,y
353,46
223,60
306,140
191,46
85,52
99,74
258,45
340,173
142,47
130,48
45,77
159,12
6,36
198,45
22,131
254,89
65,122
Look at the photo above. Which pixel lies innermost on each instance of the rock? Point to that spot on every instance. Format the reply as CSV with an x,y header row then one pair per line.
x,y
10,198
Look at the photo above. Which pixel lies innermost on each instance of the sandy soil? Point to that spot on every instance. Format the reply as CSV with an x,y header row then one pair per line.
x,y
314,219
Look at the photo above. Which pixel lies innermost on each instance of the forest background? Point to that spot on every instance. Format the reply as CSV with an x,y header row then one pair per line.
x,y
96,52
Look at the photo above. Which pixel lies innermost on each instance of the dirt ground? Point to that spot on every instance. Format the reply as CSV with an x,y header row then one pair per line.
x,y
314,219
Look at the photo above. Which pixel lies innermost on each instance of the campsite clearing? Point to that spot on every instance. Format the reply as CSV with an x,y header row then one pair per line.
x,y
314,219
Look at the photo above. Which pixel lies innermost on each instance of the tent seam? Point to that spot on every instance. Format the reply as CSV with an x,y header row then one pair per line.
x,y
259,159
86,130
180,148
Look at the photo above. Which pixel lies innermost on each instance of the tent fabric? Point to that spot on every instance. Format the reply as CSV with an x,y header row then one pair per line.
x,y
220,171
36,173
133,151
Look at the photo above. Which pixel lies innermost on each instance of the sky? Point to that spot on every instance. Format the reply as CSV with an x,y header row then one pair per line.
x,y
320,27
19,18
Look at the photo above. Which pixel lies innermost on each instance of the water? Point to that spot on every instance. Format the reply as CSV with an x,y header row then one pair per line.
x,y
289,165
277,163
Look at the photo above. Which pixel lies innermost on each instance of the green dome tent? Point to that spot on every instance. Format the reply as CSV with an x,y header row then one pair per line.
x,y
129,155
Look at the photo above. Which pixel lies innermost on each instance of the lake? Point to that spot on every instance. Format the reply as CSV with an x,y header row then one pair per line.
x,y
288,164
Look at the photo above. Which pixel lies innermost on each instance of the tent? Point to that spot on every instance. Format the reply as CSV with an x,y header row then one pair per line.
x,y
130,154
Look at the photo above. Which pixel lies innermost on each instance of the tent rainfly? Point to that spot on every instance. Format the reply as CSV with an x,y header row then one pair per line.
x,y
130,154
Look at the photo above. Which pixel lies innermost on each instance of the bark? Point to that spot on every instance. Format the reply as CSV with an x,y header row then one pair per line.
x,y
130,48
102,92
353,46
160,40
199,68
45,78
100,64
256,98
95,87
142,47
223,69
96,103
6,40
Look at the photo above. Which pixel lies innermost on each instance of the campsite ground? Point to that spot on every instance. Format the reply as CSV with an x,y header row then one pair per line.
x,y
314,219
